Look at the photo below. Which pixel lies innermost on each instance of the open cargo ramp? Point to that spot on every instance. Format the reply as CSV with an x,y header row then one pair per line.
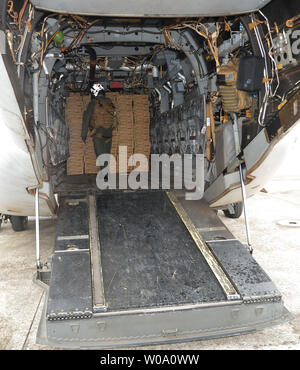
x,y
134,268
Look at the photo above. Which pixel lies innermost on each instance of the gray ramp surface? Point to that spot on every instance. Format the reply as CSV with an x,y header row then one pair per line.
x,y
148,256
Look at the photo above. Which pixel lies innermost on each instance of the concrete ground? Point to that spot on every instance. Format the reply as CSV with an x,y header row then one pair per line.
x,y
276,248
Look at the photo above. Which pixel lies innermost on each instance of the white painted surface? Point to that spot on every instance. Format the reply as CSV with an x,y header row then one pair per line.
x,y
284,156
290,166
16,168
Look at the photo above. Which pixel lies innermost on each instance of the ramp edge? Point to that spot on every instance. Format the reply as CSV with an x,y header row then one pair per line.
x,y
136,329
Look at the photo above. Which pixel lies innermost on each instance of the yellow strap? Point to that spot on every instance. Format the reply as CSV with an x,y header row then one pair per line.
x,y
281,104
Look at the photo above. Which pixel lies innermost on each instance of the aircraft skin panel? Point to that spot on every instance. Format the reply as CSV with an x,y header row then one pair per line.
x,y
16,168
264,171
154,8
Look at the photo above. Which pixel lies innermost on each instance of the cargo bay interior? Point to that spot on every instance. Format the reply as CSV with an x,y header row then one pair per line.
x,y
173,64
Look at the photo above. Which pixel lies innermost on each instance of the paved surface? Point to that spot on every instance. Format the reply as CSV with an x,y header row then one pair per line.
x,y
276,248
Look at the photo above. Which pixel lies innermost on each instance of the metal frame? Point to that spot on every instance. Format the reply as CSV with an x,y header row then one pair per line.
x,y
37,229
155,8
177,324
245,208
96,265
